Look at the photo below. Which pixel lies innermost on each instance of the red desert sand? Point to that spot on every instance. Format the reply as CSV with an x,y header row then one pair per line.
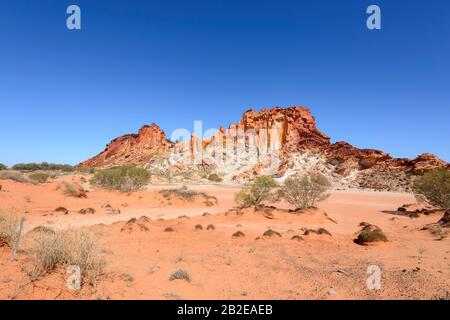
x,y
185,249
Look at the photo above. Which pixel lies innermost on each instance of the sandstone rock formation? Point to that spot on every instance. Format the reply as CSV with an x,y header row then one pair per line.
x,y
136,149
280,142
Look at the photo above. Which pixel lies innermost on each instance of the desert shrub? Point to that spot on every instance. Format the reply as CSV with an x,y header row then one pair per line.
x,y
43,166
125,178
13,175
180,275
38,177
42,229
8,230
434,188
186,194
64,248
305,191
371,233
3,167
215,177
86,170
260,191
72,189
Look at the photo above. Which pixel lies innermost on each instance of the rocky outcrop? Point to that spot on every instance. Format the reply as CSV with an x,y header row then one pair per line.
x,y
278,142
136,149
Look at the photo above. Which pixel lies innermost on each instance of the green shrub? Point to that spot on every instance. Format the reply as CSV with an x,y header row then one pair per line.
x,y
260,191
305,191
215,177
43,166
38,177
86,170
125,178
3,167
434,188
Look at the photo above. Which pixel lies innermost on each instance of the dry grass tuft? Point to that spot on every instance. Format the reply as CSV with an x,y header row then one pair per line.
x,y
370,233
64,248
180,275
8,230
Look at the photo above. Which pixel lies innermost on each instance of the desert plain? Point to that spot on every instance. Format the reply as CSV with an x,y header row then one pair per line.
x,y
223,251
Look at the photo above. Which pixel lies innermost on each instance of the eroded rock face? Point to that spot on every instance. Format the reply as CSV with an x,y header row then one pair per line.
x,y
136,149
279,142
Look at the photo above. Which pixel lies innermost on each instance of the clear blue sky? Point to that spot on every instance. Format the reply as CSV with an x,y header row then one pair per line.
x,y
65,94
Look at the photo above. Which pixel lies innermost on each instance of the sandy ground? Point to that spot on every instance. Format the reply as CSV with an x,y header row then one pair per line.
x,y
413,264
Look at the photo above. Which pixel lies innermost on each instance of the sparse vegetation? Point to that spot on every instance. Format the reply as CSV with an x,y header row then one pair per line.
x,y
62,209
238,234
260,191
434,188
305,191
69,247
38,177
43,166
8,230
72,189
125,178
180,275
87,211
215,177
186,194
3,167
13,175
371,233
270,233
43,229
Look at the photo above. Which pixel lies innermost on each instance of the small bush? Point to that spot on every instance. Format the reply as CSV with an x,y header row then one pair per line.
x,y
8,230
43,166
38,177
270,233
62,209
260,191
42,229
125,178
238,234
186,194
14,176
180,275
304,192
215,177
69,247
371,233
72,189
434,188
3,167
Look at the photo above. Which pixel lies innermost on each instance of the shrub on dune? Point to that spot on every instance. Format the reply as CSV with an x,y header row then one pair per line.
x,y
13,175
38,177
371,233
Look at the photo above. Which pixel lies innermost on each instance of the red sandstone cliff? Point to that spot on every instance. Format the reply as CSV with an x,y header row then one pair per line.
x,y
136,149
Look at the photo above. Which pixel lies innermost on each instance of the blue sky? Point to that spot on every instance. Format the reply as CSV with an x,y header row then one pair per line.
x,y
65,94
